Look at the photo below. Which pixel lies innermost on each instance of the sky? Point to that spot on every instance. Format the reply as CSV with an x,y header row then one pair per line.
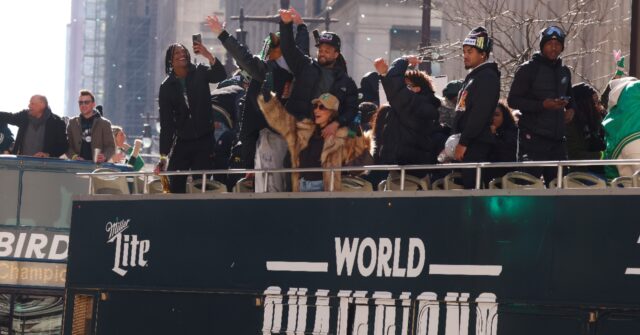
x,y
34,36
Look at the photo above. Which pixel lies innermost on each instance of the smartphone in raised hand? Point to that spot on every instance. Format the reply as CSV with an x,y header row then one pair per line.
x,y
196,38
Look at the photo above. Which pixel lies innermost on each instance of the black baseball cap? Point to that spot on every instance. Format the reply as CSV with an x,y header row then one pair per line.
x,y
330,38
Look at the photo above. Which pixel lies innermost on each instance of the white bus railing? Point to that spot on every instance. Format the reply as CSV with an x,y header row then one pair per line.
x,y
560,165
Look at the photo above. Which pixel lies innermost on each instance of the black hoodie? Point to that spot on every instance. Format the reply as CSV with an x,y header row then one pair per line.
x,y
477,102
409,122
535,81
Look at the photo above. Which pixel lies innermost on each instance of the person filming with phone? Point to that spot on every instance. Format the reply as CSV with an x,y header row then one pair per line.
x,y
541,90
186,115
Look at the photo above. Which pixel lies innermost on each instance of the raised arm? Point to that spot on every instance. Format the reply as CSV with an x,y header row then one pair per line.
x,y
294,57
12,118
393,79
255,66
302,33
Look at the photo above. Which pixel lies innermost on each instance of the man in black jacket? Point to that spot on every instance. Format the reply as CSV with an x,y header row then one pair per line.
x,y
477,102
40,132
186,115
6,139
260,144
413,116
325,74
541,90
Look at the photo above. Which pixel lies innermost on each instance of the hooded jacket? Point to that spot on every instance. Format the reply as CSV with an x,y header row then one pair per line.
x,y
477,102
535,81
307,73
337,151
55,134
192,119
410,122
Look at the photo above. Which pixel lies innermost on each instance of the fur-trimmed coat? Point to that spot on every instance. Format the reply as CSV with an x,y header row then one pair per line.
x,y
337,151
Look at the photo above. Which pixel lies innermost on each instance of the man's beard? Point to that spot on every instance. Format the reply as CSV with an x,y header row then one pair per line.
x,y
326,62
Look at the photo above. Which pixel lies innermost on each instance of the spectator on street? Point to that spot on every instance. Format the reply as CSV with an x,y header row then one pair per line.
x,y
90,134
41,133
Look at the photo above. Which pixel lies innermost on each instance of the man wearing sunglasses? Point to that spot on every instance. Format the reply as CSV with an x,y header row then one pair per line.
x,y
90,135
41,133
541,90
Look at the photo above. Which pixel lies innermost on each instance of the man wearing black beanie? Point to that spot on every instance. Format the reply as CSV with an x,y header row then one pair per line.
x,y
541,90
477,102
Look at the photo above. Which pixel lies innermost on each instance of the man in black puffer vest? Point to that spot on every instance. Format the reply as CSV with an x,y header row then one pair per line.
x,y
477,102
541,90
313,76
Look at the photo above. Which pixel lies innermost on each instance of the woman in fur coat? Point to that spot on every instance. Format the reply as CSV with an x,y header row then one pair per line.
x,y
307,146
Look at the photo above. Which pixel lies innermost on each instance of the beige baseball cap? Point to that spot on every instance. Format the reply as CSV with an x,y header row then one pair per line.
x,y
328,100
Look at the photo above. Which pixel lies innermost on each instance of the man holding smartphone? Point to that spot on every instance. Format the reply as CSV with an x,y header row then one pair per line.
x,y
186,115
541,90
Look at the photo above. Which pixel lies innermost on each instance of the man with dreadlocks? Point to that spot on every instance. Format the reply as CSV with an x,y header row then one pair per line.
x,y
261,144
327,73
186,115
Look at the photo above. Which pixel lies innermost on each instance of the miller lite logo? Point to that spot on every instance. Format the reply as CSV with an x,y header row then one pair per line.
x,y
130,250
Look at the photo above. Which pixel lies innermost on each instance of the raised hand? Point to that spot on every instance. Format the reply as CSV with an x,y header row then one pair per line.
x,y
201,49
381,66
215,25
297,18
286,16
412,59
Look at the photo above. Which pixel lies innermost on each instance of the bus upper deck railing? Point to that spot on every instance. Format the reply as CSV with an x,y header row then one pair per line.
x,y
559,165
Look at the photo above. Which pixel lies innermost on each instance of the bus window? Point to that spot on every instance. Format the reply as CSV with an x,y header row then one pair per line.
x,y
82,314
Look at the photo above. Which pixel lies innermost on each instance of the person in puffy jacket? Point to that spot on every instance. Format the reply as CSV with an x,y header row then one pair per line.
x,y
412,117
541,90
